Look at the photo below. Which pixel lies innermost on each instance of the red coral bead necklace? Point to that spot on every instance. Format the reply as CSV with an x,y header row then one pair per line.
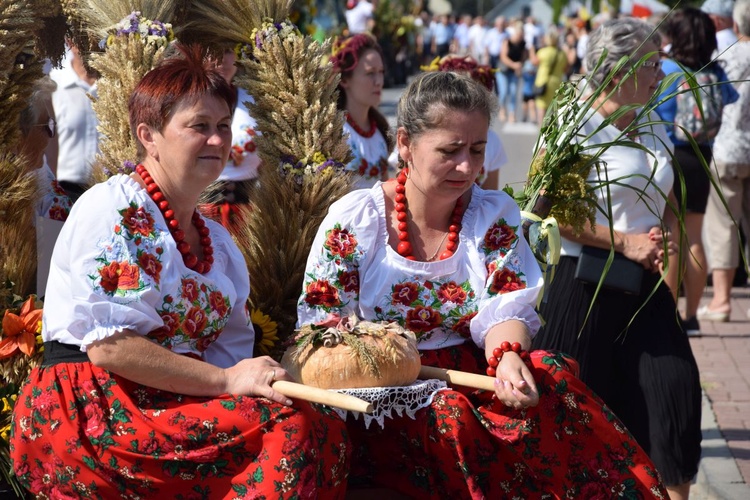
x,y
353,124
188,257
404,247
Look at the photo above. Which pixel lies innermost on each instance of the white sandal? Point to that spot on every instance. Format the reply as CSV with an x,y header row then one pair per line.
x,y
706,314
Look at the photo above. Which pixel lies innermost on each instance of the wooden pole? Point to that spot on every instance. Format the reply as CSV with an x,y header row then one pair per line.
x,y
322,396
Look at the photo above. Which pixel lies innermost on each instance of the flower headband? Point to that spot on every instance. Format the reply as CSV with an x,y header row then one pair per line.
x,y
478,72
351,46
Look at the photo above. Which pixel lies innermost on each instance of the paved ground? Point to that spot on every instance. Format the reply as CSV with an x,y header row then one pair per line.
x,y
722,353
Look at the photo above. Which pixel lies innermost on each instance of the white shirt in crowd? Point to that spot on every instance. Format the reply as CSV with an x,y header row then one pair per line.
x,y
633,177
476,41
357,17
725,39
77,136
493,41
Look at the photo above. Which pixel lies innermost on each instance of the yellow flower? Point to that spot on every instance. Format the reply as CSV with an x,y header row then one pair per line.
x,y
318,158
7,407
5,434
266,328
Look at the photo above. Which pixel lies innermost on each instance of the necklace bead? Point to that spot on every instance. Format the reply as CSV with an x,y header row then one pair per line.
x,y
404,247
353,124
188,257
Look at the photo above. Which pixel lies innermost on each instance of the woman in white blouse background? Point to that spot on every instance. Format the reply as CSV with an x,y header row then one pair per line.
x,y
359,61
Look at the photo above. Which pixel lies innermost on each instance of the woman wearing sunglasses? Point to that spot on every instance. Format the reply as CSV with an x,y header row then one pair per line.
x,y
38,128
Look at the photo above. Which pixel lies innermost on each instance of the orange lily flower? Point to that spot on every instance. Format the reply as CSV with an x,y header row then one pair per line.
x,y
19,331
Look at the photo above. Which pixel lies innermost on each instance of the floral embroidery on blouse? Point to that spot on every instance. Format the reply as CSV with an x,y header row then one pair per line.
x,y
338,262
370,171
243,145
196,317
137,221
340,244
504,269
60,202
122,272
500,237
423,306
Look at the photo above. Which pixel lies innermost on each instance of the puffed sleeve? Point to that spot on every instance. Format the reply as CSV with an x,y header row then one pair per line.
x,y
106,266
237,338
513,279
343,245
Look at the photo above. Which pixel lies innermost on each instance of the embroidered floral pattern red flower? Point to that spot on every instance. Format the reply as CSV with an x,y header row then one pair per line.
x,y
218,303
195,319
54,202
500,237
349,281
405,293
137,220
244,143
422,319
119,277
463,325
150,265
189,289
58,212
505,281
451,292
370,171
321,293
340,242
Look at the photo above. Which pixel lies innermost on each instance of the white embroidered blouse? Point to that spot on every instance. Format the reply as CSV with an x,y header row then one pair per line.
x,y
492,277
53,202
369,157
116,266
244,160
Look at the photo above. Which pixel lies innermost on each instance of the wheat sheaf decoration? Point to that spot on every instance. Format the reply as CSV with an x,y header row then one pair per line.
x,y
301,146
19,68
134,35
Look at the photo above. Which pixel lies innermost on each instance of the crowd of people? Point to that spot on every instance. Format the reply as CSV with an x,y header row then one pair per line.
x,y
524,54
145,318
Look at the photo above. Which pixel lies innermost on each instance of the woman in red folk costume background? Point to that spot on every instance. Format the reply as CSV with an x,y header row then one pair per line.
x,y
148,384
444,258
359,60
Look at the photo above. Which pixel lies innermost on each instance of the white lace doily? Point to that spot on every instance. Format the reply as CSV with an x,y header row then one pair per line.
x,y
386,400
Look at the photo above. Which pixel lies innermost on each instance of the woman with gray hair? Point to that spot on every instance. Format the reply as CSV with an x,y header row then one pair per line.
x,y
38,127
629,343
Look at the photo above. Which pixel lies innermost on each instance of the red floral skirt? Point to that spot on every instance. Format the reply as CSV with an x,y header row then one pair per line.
x,y
469,445
80,432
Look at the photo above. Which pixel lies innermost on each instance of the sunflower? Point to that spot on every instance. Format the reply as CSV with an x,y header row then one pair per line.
x,y
268,329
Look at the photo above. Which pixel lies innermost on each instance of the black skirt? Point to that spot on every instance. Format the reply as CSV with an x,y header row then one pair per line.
x,y
635,356
697,182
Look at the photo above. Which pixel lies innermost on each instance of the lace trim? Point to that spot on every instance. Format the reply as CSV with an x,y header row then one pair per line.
x,y
386,400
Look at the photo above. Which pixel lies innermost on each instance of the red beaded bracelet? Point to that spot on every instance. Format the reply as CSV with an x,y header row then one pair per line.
x,y
497,355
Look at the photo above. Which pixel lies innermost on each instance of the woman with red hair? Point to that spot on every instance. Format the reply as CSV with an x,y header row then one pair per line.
x,y
148,385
